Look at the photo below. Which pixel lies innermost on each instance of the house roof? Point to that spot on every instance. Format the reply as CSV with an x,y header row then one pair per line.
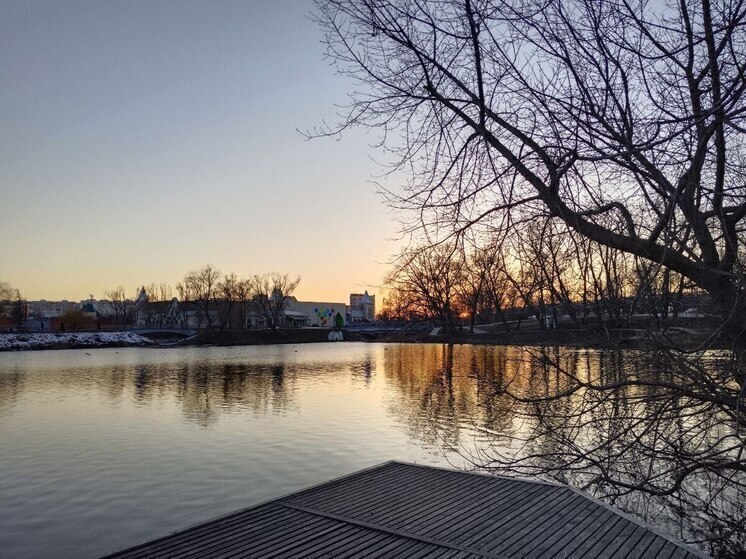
x,y
295,314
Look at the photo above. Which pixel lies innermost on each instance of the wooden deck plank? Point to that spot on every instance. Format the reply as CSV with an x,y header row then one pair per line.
x,y
423,552
225,545
627,532
307,547
526,521
470,516
386,550
679,553
287,537
667,551
330,497
460,555
535,542
429,494
605,522
639,548
386,473
498,523
400,510
204,533
278,538
358,547
260,523
224,538
541,522
400,547
598,543
395,502
436,508
463,507
386,494
410,535
653,551
556,544
427,509
635,539
482,536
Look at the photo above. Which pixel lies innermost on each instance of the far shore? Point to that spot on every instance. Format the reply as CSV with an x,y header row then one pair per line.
x,y
680,338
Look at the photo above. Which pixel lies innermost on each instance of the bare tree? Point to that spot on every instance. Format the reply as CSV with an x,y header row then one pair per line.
x,y
156,307
122,306
579,109
479,274
400,306
184,291
243,297
202,287
6,292
272,294
228,294
429,277
623,120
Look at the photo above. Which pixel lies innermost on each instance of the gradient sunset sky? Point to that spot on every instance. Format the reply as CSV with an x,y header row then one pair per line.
x,y
142,139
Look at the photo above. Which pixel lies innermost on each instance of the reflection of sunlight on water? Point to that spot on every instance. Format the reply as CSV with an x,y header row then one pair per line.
x,y
453,397
141,442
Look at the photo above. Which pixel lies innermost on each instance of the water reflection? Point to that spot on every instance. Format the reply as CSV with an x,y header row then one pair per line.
x,y
11,387
249,422
452,393
653,451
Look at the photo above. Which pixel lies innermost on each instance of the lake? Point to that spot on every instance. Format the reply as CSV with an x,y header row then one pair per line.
x,y
103,449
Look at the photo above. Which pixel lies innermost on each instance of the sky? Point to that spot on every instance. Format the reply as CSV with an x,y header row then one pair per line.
x,y
143,139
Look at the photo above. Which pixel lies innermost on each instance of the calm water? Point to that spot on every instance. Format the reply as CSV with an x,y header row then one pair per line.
x,y
103,449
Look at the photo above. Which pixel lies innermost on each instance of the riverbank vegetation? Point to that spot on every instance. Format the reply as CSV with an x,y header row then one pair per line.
x,y
207,300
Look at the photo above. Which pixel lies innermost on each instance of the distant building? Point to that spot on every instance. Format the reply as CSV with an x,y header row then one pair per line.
x,y
328,315
170,314
362,308
298,314
51,309
88,310
102,307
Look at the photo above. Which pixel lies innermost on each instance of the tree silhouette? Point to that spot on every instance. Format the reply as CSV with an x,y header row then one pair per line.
x,y
624,120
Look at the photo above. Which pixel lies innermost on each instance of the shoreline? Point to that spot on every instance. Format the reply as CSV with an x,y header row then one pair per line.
x,y
580,338
34,341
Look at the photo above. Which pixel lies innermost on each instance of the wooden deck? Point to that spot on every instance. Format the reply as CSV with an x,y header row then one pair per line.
x,y
405,510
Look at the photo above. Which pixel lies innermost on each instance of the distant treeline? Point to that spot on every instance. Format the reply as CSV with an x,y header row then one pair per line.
x,y
543,271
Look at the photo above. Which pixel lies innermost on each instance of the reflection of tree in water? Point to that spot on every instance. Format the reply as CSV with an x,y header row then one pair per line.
x,y
363,369
204,389
640,443
143,382
11,387
519,411
447,392
117,382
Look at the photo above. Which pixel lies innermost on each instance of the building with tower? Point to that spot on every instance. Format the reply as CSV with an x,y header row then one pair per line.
x,y
362,308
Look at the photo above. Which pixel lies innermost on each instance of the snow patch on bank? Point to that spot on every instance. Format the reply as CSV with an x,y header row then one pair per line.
x,y
71,339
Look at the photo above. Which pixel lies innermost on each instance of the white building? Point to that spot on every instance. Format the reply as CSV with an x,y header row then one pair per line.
x,y
362,307
51,309
328,315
